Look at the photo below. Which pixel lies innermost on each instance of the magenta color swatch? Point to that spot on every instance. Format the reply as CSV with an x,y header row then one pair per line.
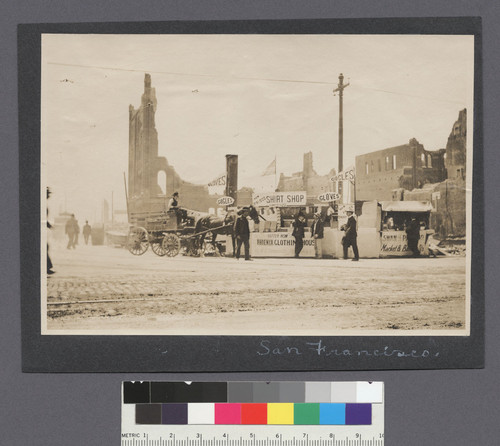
x,y
227,413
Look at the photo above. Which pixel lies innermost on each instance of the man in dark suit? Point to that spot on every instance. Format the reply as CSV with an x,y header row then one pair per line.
x,y
351,235
242,233
298,232
413,236
317,231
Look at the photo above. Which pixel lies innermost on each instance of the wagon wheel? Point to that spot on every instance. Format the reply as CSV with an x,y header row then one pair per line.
x,y
171,244
137,241
157,246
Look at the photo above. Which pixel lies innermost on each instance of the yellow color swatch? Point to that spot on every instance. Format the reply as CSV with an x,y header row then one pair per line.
x,y
279,413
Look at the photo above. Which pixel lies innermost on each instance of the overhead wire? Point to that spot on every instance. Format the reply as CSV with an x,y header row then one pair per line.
x,y
175,73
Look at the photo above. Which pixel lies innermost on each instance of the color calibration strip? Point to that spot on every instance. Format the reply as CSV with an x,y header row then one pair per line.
x,y
253,403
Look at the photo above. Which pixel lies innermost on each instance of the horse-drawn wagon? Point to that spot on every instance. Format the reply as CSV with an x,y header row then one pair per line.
x,y
179,229
166,232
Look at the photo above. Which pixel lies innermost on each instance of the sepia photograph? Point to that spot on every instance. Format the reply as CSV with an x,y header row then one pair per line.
x,y
256,184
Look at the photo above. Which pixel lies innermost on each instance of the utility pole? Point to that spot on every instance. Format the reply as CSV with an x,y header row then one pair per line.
x,y
340,91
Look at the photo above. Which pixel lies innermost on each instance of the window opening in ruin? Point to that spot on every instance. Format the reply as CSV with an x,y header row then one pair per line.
x,y
162,181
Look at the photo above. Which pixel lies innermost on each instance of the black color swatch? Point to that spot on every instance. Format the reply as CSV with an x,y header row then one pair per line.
x,y
136,392
180,392
148,414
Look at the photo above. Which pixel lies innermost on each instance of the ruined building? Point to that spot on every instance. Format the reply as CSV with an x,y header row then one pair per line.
x,y
448,217
151,180
411,173
379,174
456,148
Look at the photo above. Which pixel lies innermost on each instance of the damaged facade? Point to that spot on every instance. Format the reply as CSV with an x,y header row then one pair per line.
x,y
151,180
409,166
411,173
448,197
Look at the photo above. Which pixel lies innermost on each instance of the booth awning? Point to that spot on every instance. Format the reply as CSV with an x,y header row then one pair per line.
x,y
406,206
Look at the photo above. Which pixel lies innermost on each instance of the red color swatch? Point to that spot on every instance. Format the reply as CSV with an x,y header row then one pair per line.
x,y
254,413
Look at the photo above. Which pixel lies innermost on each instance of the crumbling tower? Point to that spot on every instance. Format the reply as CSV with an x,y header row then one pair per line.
x,y
144,162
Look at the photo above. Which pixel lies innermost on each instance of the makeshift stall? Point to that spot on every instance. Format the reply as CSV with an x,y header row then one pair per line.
x,y
390,220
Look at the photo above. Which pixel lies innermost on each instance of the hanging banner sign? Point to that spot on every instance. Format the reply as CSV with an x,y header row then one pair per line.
x,y
328,197
225,201
280,199
348,174
218,185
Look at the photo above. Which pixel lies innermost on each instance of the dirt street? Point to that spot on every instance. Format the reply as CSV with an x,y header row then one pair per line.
x,y
99,288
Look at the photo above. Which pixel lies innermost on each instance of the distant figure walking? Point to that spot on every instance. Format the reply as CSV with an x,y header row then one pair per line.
x,y
350,237
413,235
317,232
298,232
72,229
242,233
87,230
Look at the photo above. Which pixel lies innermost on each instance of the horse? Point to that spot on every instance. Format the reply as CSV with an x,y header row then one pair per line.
x,y
220,225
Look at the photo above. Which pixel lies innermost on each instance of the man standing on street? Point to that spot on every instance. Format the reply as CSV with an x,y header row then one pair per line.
x,y
298,232
86,232
317,231
72,231
242,233
351,235
413,235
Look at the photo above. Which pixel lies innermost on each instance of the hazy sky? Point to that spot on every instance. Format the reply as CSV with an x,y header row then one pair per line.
x,y
252,95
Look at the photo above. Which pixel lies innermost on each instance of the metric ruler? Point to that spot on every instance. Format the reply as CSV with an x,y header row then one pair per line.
x,y
252,414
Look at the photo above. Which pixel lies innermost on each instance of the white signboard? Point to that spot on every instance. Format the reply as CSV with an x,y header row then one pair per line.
x,y
278,244
348,174
225,201
218,185
327,197
395,243
280,199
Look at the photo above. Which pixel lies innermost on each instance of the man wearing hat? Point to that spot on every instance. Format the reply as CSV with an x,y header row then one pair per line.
x,y
298,232
350,238
317,231
173,204
242,233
